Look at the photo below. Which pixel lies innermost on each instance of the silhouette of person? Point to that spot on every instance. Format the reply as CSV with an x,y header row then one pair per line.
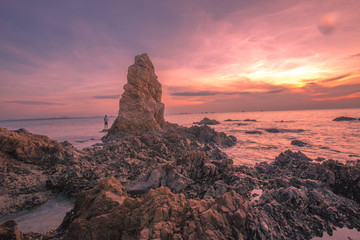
x,y
106,122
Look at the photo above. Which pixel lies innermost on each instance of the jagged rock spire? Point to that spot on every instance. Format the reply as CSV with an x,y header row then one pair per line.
x,y
140,106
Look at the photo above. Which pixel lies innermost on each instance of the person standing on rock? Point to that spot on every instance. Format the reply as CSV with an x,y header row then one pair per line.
x,y
106,122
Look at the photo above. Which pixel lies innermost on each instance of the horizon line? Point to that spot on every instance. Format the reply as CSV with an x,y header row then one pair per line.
x,y
179,113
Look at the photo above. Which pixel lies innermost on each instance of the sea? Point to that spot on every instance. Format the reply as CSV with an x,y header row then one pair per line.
x,y
324,139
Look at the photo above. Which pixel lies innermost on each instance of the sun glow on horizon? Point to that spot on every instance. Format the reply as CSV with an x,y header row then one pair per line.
x,y
293,77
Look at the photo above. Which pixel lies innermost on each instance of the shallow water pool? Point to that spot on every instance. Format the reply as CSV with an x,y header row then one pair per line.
x,y
43,218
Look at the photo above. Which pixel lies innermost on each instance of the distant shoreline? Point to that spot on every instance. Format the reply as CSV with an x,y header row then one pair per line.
x,y
55,118
171,114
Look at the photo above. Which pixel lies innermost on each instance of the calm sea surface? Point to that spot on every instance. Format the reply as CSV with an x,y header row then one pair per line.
x,y
324,137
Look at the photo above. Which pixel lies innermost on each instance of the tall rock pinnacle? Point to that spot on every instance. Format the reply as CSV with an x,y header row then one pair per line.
x,y
140,106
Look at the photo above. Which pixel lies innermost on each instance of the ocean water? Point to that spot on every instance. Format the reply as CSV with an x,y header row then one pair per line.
x,y
324,138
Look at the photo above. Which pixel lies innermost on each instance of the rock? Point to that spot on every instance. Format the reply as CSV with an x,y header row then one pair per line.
x,y
207,121
140,107
319,159
242,124
298,143
250,120
159,215
303,198
231,120
253,132
342,118
289,158
150,179
207,135
27,162
35,149
272,130
9,231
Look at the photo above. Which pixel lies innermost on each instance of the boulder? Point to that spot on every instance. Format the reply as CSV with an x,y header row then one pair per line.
x,y
140,107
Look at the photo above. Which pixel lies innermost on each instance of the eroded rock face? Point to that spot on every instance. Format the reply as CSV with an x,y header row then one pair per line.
x,y
161,214
140,106
35,149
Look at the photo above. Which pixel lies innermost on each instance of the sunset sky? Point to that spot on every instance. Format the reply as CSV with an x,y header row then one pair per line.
x,y
70,58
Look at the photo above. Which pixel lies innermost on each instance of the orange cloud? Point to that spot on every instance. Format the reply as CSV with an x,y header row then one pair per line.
x,y
354,95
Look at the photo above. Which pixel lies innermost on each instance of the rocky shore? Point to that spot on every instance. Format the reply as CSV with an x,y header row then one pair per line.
x,y
157,180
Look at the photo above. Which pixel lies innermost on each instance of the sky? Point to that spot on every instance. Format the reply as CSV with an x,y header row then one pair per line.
x,y
70,57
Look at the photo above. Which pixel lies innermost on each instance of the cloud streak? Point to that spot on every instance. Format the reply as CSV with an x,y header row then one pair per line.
x,y
336,78
29,102
117,96
214,93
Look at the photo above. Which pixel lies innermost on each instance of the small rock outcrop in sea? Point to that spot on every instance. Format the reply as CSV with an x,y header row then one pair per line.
x,y
298,143
342,118
272,130
231,120
207,121
140,106
253,132
250,120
